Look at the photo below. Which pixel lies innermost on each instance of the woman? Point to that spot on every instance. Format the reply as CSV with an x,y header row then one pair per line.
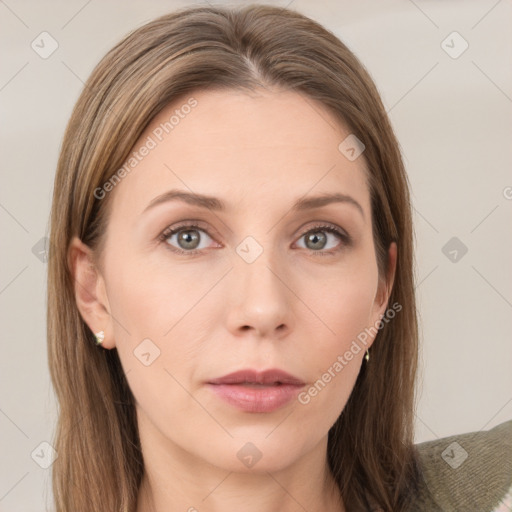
x,y
231,314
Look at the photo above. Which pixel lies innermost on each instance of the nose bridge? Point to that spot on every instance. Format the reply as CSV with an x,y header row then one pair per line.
x,y
261,298
257,263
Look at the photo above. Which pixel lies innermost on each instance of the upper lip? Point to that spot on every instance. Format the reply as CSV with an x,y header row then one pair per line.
x,y
271,376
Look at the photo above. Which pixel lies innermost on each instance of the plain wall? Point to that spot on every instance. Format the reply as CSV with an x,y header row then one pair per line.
x,y
452,116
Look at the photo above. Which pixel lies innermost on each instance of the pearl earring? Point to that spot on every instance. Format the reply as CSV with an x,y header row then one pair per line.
x,y
100,336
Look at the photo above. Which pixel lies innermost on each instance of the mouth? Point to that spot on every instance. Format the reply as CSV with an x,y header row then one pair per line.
x,y
255,384
274,376
257,392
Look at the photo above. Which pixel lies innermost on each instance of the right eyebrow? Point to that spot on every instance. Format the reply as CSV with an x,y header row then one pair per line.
x,y
203,201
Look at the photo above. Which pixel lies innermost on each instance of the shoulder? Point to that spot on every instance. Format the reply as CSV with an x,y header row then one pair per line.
x,y
470,472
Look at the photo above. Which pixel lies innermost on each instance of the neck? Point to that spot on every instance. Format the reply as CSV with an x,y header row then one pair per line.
x,y
176,481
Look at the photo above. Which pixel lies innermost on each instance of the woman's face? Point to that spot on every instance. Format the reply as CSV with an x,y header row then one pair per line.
x,y
257,284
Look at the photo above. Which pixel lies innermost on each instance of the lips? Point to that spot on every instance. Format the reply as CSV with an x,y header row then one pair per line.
x,y
257,392
273,376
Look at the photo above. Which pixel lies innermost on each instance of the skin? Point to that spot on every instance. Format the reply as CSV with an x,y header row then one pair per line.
x,y
213,313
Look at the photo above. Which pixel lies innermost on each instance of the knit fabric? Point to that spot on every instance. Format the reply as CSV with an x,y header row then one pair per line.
x,y
469,472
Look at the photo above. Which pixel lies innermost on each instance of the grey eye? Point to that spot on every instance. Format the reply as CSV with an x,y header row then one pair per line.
x,y
315,240
188,239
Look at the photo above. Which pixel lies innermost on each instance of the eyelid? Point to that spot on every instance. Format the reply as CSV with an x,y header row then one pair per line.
x,y
325,225
191,224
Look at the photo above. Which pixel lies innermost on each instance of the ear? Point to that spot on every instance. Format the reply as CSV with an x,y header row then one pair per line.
x,y
385,284
90,294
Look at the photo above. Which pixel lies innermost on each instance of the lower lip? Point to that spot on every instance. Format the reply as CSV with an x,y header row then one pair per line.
x,y
256,399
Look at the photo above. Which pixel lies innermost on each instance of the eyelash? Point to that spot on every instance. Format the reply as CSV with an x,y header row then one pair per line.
x,y
168,232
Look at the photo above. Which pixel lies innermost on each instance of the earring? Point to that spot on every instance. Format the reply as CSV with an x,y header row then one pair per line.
x,y
100,336
367,355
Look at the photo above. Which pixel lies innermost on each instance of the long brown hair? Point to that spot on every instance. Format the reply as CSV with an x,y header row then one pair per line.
x,y
370,447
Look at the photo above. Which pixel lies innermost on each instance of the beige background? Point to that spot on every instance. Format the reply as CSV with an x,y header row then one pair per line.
x,y
452,117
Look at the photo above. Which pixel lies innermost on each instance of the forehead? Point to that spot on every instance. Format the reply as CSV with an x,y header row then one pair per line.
x,y
259,148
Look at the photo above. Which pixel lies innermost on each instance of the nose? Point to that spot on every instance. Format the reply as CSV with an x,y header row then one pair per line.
x,y
259,298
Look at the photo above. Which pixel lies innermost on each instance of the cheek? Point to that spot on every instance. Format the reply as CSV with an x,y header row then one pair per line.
x,y
343,302
161,320
344,305
342,308
148,299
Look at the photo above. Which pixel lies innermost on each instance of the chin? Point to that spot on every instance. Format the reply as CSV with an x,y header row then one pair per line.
x,y
256,454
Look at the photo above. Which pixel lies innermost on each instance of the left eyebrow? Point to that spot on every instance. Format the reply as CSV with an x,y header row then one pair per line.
x,y
325,199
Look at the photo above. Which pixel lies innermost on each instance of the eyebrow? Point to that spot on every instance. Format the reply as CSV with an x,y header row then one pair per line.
x,y
215,204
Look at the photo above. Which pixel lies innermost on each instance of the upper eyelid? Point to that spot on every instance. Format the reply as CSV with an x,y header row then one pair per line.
x,y
185,224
